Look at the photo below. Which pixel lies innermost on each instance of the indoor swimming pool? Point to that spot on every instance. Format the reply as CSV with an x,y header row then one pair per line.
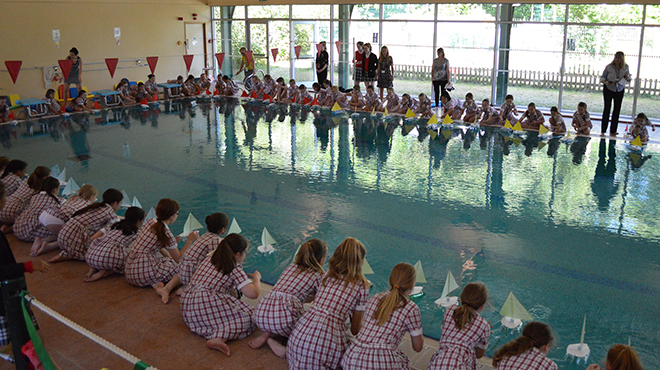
x,y
571,228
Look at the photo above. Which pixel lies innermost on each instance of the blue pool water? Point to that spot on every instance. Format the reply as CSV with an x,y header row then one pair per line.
x,y
570,229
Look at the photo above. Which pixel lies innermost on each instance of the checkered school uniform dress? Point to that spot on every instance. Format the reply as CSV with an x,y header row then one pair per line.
x,y
371,100
506,111
75,234
27,226
469,108
392,102
456,349
559,126
145,265
16,203
321,95
151,86
279,311
488,113
301,97
582,120
195,254
532,359
68,208
377,347
208,308
535,116
291,92
454,103
11,183
321,336
109,252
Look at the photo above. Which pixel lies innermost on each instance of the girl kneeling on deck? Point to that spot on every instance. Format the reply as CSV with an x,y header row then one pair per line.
x,y
528,351
27,226
207,306
279,311
388,317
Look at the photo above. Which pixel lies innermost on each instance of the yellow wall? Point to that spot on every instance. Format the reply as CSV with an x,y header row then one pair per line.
x,y
148,28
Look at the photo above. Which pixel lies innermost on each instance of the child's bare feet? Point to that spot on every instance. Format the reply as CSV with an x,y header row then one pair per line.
x,y
59,258
259,341
179,292
36,246
89,273
164,294
219,345
47,247
98,275
278,348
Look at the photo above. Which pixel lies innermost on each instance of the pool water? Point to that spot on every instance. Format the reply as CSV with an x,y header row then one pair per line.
x,y
569,228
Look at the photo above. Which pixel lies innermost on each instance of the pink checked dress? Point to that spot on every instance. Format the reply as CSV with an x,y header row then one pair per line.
x,y
11,183
377,347
109,252
208,308
27,226
195,254
456,349
320,337
68,208
145,265
532,359
16,203
75,234
279,311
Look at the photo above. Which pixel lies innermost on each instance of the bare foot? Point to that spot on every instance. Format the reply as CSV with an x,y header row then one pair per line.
x,y
89,273
260,340
7,229
59,258
47,247
36,246
278,349
219,345
164,294
179,292
98,276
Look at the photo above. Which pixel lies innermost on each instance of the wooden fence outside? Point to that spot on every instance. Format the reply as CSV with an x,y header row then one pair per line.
x,y
580,78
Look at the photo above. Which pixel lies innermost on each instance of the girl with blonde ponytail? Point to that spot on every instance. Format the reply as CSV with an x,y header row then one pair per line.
x,y
279,311
527,351
154,256
319,339
465,333
389,315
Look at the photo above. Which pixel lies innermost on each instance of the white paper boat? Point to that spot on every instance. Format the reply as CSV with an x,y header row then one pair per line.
x,y
267,242
191,225
580,350
62,177
513,312
151,214
450,286
136,203
55,171
234,228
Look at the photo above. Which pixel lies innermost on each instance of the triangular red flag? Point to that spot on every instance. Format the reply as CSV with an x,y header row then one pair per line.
x,y
306,100
220,57
208,92
144,102
338,44
13,67
297,49
267,97
216,92
244,94
249,56
274,51
97,105
253,95
65,65
315,101
188,59
198,91
11,115
152,63
318,48
63,109
112,65
155,97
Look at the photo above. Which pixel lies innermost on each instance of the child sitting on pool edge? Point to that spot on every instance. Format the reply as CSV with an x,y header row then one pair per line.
x,y
582,120
638,128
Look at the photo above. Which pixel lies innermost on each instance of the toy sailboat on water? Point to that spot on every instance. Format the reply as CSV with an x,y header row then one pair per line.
x,y
447,122
507,126
543,131
410,115
71,187
234,228
151,214
636,144
580,350
267,242
517,129
418,290
450,286
126,201
55,171
191,225
513,313
336,109
136,203
62,177
366,268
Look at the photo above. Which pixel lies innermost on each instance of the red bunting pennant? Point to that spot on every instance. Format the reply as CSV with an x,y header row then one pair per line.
x,y
220,57
188,59
112,65
97,105
267,98
65,65
13,67
338,44
297,49
315,101
11,115
152,63
199,91
249,57
144,102
63,109
155,97
307,100
244,94
216,92
274,51
253,95
208,92
318,48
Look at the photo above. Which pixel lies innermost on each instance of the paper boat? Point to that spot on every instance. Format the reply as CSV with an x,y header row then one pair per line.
x,y
126,201
191,225
543,130
234,228
55,171
420,279
366,268
450,286
580,350
151,213
447,121
71,187
267,242
136,203
62,177
513,313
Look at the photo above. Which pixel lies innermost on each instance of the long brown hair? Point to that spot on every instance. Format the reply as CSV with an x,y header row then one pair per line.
x,y
535,334
310,254
224,258
48,185
35,179
109,196
346,262
402,279
622,357
382,58
165,209
473,296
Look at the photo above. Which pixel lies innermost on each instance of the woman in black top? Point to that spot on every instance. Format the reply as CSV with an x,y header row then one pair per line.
x,y
322,64
370,65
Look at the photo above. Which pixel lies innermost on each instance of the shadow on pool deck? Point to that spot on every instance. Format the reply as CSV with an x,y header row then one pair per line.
x,y
135,320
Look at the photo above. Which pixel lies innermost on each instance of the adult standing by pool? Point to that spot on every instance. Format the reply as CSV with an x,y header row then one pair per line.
x,y
614,79
247,65
370,65
322,63
75,74
385,71
440,75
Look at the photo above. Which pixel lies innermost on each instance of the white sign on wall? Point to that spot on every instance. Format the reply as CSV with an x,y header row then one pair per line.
x,y
56,35
117,32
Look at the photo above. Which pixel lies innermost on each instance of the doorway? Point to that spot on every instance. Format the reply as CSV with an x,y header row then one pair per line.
x,y
195,44
305,35
257,41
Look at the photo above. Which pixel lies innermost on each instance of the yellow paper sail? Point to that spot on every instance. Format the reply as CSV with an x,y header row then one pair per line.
x,y
517,127
433,120
568,134
433,134
447,120
336,107
366,268
191,225
507,124
637,142
386,112
373,111
450,285
512,308
543,129
420,272
410,114
446,134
